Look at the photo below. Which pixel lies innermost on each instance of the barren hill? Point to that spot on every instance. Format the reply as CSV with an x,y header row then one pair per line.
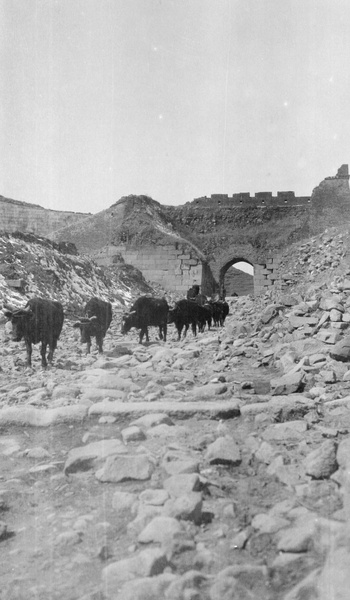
x,y
133,219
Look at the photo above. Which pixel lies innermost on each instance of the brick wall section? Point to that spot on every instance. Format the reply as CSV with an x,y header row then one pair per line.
x,y
245,200
31,218
175,266
265,275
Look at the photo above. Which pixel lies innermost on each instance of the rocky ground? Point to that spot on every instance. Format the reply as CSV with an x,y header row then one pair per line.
x,y
215,468
212,468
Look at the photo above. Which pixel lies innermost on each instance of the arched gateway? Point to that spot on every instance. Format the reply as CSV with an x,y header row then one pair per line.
x,y
264,266
198,242
236,281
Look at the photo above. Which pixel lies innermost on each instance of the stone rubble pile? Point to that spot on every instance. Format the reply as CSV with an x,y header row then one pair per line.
x,y
314,258
215,468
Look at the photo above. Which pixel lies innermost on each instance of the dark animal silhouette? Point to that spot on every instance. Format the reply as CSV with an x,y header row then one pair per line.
x,y
41,320
186,313
147,312
193,292
220,310
200,299
98,317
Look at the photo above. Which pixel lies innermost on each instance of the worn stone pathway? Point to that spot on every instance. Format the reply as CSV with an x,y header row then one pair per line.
x,y
214,468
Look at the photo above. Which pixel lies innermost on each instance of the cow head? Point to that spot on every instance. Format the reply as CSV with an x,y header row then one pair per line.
x,y
172,313
20,319
128,321
88,327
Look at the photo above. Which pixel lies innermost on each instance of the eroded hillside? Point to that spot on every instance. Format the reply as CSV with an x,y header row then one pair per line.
x,y
31,265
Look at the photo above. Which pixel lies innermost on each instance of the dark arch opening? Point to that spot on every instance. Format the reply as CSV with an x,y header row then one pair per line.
x,y
237,277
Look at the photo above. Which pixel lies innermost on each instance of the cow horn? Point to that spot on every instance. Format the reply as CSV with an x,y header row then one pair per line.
x,y
26,309
6,306
15,309
94,318
133,312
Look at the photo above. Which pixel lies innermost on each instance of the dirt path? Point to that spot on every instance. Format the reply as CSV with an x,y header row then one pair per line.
x,y
241,515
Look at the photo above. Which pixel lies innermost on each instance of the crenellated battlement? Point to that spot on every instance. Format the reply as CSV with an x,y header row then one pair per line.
x,y
245,200
262,199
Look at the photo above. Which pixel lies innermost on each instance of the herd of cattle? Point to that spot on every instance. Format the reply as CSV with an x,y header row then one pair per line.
x,y
41,320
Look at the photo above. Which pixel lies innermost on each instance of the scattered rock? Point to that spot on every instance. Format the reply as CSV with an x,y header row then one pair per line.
x,y
322,462
341,350
223,451
160,529
123,468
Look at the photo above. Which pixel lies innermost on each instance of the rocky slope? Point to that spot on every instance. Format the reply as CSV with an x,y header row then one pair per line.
x,y
133,219
37,266
216,468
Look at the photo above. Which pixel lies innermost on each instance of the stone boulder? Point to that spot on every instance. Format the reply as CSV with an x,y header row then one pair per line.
x,y
341,350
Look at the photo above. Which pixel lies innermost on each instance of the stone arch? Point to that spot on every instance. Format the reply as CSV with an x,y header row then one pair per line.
x,y
223,271
264,263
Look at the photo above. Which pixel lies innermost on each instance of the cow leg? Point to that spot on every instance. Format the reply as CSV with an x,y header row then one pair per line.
x,y
165,330
29,353
43,354
50,353
194,328
143,332
186,330
160,332
99,341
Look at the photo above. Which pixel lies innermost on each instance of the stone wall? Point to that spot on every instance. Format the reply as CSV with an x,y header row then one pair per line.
x,y
213,233
330,201
245,200
265,275
32,218
175,266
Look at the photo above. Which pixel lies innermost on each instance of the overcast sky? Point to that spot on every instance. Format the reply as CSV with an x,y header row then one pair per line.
x,y
175,99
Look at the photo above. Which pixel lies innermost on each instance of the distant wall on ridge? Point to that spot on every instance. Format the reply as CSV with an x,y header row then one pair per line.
x,y
32,218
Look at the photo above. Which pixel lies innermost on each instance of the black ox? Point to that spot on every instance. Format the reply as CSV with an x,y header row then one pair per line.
x,y
186,313
220,310
98,317
147,312
203,316
41,320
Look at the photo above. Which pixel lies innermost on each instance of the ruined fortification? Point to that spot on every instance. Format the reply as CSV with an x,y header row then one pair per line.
x,y
32,218
259,200
197,242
